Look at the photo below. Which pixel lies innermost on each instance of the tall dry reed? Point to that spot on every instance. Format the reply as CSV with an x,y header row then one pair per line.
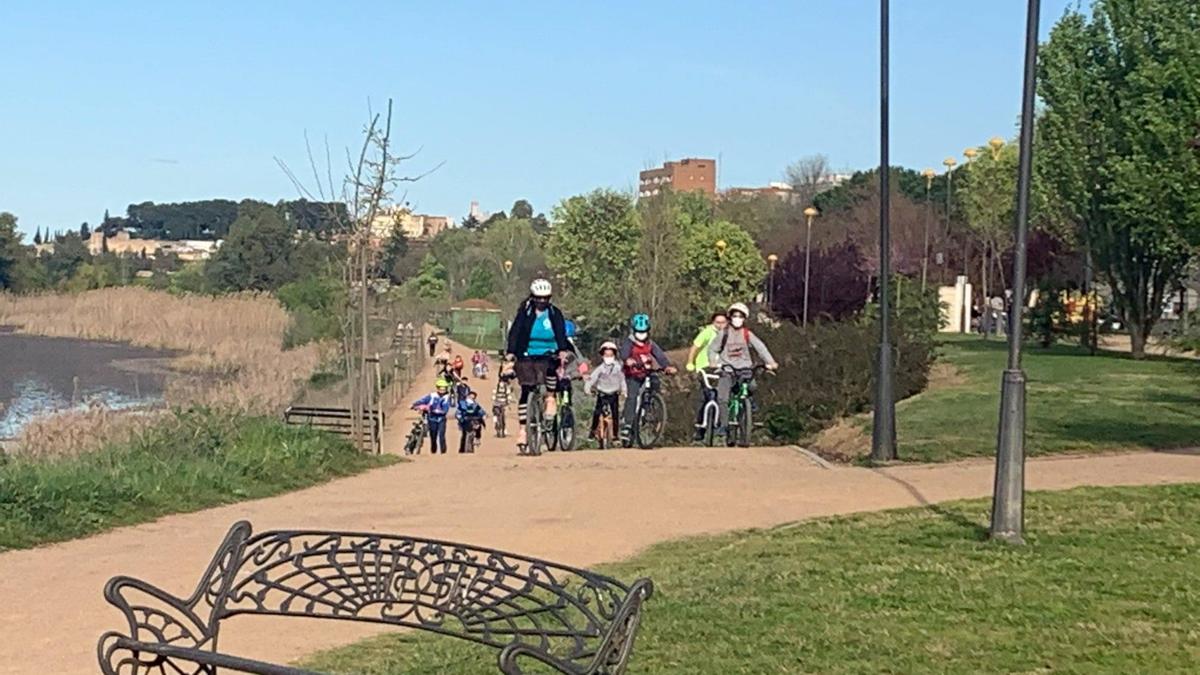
x,y
232,343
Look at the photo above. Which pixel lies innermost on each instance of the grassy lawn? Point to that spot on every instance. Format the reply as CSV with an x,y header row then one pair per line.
x,y
1109,582
191,461
1076,402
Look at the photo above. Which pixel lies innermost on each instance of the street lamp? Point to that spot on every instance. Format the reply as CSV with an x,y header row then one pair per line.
x,y
929,175
1008,496
809,214
970,154
996,143
883,429
721,245
771,260
507,266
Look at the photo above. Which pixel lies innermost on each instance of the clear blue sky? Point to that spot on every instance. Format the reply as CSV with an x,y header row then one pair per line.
x,y
117,102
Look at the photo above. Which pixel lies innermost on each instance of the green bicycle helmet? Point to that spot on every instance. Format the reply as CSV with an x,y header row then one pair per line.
x,y
640,323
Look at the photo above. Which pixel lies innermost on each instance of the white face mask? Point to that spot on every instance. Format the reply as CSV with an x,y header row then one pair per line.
x,y
737,321
610,360
640,336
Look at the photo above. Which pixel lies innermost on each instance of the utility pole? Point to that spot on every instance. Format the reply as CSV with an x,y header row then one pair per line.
x,y
1008,498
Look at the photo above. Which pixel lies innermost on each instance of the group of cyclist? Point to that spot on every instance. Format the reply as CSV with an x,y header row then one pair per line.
x,y
542,357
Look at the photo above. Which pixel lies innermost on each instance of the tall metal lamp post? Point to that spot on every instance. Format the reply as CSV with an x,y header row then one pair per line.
x,y
928,175
771,261
1008,497
809,214
883,432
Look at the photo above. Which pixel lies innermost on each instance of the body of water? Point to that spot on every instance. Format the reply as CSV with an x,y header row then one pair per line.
x,y
41,375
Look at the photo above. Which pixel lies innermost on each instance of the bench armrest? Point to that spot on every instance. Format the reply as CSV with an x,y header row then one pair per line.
x,y
155,615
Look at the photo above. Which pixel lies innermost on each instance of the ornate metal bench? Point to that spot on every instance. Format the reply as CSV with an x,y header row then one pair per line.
x,y
570,619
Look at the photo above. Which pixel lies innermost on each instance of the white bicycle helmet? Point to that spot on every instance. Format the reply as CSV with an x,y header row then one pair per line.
x,y
540,288
609,345
739,307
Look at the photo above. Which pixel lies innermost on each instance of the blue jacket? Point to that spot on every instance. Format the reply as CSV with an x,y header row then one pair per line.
x,y
439,405
468,410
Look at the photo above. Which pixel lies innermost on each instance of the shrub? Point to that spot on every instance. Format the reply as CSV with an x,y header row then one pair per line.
x,y
840,286
827,372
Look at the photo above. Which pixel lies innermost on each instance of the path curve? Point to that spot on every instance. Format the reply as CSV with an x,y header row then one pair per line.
x,y
580,508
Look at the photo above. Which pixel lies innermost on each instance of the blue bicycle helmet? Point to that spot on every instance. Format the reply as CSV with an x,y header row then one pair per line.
x,y
640,323
570,328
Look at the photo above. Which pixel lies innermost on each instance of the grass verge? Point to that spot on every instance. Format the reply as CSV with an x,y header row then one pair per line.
x,y
1076,403
190,461
1108,583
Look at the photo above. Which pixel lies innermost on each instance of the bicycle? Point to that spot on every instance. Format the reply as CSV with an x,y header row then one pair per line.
x,y
710,415
500,425
650,416
564,423
472,441
741,413
416,436
537,433
480,371
606,429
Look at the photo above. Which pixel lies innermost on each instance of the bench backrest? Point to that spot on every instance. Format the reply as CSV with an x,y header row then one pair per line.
x,y
479,594
339,421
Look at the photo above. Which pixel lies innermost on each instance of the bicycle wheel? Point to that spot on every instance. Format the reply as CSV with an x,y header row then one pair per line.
x,y
745,424
533,424
731,427
566,428
710,424
498,424
651,420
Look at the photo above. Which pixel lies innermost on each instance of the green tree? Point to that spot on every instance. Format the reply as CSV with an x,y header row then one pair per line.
x,y
521,209
715,277
514,241
457,251
1121,96
430,282
84,231
480,284
666,220
257,255
69,253
12,254
37,236
393,252
989,206
593,245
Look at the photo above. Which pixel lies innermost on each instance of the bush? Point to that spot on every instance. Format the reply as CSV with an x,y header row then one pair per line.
x,y
839,284
192,460
827,372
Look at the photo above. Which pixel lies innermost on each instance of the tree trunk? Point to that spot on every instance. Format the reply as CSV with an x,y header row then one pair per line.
x,y
1137,340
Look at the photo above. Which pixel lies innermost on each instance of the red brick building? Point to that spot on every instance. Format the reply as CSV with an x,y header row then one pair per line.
x,y
686,175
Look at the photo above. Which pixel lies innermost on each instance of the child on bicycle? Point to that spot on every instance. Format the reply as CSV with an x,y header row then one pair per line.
x,y
436,406
641,357
731,347
469,412
608,381
502,394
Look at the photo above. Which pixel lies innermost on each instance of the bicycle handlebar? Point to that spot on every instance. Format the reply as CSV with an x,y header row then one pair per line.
x,y
754,370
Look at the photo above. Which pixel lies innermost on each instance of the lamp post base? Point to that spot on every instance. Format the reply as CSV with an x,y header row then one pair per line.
x,y
883,432
1008,496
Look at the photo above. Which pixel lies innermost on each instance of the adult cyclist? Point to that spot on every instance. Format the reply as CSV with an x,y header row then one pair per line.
x,y
731,347
537,339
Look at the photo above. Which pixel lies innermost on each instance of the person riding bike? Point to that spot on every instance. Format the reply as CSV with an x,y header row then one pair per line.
x,y
468,411
608,381
537,339
731,347
436,406
698,361
640,355
432,341
457,366
441,362
573,364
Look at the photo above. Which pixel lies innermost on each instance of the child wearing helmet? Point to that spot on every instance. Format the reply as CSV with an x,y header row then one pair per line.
x,y
471,419
436,406
731,347
640,356
608,381
537,339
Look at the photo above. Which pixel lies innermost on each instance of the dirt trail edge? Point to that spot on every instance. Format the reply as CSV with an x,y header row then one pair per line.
x,y
580,508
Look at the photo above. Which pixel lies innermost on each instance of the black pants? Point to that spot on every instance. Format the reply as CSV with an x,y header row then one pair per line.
x,y
437,435
604,402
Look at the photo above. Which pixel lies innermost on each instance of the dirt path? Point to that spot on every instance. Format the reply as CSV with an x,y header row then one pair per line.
x,y
580,508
